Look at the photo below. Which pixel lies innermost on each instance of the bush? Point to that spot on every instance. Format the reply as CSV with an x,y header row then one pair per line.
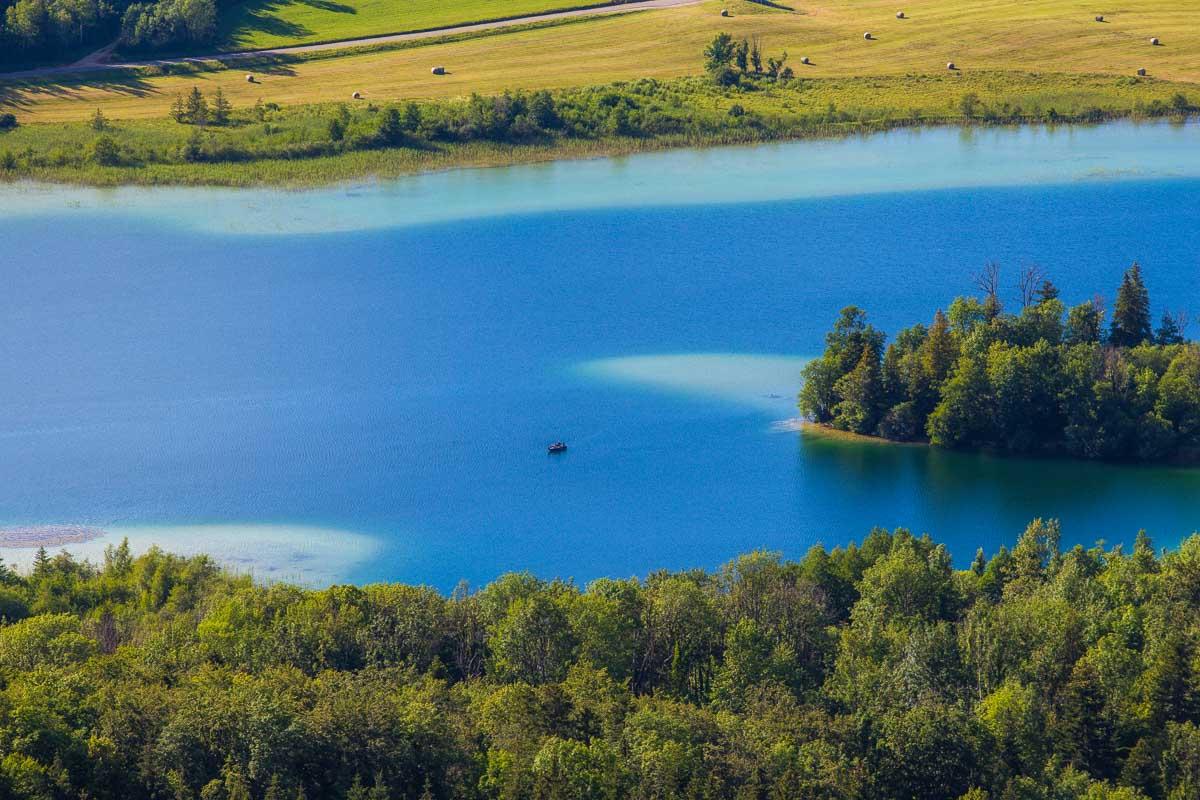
x,y
7,122
13,606
725,76
105,152
192,150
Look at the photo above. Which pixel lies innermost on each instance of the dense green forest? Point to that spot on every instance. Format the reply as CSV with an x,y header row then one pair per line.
x,y
1047,380
54,30
869,672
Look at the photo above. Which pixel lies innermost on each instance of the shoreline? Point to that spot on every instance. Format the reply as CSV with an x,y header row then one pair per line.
x,y
806,427
59,153
497,156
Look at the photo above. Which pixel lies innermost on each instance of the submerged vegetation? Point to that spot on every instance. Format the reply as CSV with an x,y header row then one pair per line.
x,y
205,138
1047,380
872,672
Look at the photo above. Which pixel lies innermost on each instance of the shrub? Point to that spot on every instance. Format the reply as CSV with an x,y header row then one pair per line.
x,y
105,152
192,150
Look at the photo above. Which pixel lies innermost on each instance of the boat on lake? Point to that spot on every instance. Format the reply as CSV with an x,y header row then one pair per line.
x,y
557,447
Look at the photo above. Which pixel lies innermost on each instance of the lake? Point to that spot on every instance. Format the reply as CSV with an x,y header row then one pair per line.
x,y
359,383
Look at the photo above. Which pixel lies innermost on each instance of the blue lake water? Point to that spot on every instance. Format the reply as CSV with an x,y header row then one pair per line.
x,y
359,383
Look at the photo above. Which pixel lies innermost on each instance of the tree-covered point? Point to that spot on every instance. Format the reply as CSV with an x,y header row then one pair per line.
x,y
1047,380
872,672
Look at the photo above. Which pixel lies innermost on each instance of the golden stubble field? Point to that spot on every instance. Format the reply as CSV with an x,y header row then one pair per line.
x,y
1020,36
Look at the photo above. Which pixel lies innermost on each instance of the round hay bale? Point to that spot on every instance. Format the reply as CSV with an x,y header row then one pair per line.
x,y
1154,41
1099,18
249,79
899,15
724,12
438,70
805,60
356,96
1142,72
867,35
950,65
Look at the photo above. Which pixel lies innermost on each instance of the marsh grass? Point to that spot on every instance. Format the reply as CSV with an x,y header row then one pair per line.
x,y
294,147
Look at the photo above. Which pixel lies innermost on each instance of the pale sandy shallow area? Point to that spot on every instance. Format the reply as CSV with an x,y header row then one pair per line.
x,y
308,555
753,380
20,536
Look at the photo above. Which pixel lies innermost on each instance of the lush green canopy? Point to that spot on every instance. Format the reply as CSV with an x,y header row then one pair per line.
x,y
871,672
1046,380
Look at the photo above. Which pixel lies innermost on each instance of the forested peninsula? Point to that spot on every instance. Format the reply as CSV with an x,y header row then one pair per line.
x,y
1046,380
869,672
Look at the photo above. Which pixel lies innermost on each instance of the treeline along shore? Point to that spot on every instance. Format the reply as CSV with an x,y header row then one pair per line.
x,y
868,672
201,136
1044,380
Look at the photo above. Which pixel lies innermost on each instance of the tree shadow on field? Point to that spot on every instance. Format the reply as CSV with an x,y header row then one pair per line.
x,y
329,5
266,64
261,16
21,95
774,5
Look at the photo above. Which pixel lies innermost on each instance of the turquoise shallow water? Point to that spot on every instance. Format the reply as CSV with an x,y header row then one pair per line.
x,y
359,383
900,161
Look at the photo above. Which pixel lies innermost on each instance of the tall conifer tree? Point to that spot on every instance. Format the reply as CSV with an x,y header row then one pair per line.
x,y
1131,314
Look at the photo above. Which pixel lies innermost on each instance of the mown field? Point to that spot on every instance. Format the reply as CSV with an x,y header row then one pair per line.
x,y
257,24
1023,37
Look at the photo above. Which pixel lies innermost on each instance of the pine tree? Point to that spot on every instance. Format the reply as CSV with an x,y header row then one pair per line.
x,y
178,111
391,127
357,791
195,107
99,121
1141,769
1047,292
1131,314
862,394
1169,331
41,562
1085,735
379,791
1143,553
980,562
938,351
221,108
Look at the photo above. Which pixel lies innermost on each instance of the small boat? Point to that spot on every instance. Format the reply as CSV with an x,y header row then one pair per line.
x,y
557,447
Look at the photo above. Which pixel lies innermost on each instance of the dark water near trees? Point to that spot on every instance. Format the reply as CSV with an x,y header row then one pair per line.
x,y
376,404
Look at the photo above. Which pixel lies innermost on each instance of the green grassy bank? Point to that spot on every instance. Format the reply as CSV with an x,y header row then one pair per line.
x,y
316,144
